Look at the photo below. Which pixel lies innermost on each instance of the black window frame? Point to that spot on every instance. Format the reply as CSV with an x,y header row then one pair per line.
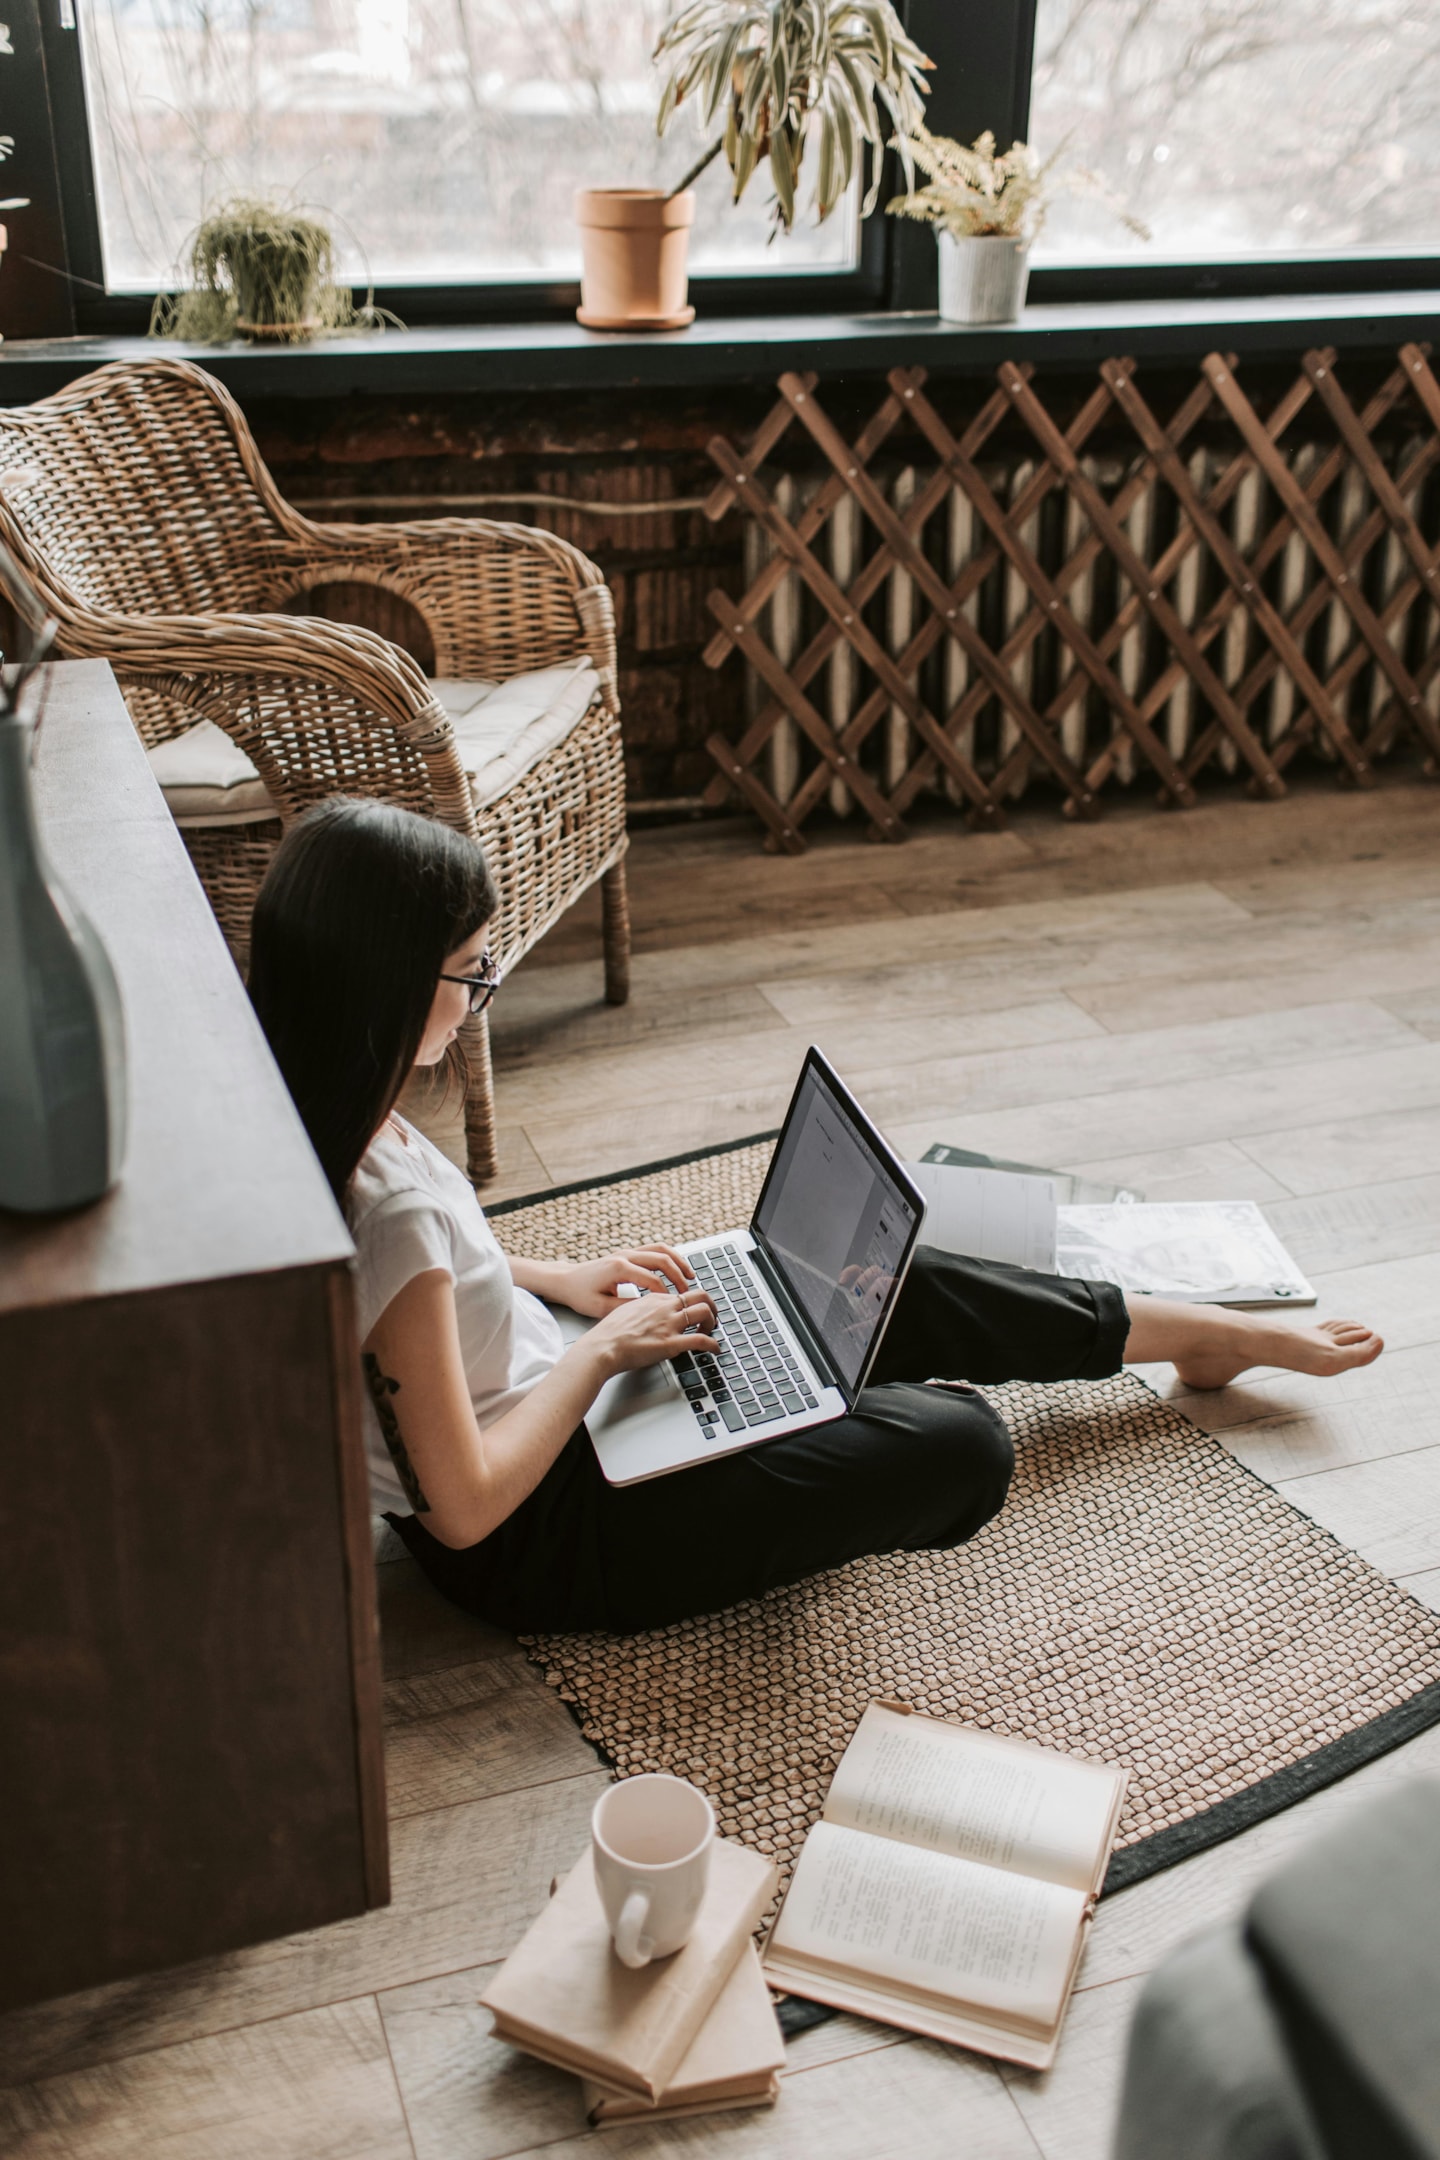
x,y
98,311
54,276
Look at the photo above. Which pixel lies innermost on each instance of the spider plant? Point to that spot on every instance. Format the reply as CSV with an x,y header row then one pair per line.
x,y
776,73
266,271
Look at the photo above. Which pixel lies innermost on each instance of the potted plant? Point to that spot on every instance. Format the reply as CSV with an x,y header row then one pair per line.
x,y
769,77
262,272
987,210
633,247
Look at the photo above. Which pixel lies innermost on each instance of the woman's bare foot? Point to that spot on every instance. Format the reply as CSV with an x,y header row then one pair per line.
x,y
1222,1352
1209,1345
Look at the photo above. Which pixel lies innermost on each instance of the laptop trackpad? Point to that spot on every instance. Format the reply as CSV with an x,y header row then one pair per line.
x,y
630,1392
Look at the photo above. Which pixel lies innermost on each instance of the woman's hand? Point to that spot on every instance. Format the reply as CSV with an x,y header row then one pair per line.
x,y
592,1286
465,1482
869,1287
642,1331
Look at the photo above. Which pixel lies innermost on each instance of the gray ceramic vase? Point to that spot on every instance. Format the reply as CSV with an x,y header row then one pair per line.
x,y
62,1035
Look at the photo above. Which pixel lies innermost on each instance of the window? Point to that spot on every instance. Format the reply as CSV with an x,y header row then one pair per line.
x,y
1242,128
443,138
1270,145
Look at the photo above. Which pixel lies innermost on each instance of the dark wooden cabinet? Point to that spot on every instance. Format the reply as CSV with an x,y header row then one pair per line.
x,y
189,1690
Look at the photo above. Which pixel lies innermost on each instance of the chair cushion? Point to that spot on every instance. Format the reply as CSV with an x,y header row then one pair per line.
x,y
502,730
207,779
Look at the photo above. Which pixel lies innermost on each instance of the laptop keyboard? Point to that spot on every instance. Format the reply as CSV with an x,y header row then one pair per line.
x,y
755,1379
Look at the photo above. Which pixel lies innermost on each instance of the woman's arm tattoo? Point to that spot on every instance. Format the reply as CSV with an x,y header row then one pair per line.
x,y
382,1388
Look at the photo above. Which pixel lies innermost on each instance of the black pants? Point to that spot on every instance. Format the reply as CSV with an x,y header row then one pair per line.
x,y
910,1467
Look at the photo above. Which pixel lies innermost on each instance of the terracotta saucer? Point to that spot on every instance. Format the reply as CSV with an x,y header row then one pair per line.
x,y
635,322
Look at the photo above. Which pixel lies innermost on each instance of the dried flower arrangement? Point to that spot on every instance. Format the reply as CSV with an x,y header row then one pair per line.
x,y
975,194
261,271
787,70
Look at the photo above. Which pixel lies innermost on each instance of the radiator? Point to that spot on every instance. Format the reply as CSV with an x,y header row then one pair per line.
x,y
1359,521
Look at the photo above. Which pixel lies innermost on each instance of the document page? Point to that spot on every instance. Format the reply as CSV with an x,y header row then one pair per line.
x,y
1070,1190
1001,1802
926,1922
988,1214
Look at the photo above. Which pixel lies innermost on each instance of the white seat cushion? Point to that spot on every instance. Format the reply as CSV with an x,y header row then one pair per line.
x,y
207,779
502,731
512,725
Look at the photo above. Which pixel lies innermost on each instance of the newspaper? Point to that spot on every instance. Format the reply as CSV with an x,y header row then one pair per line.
x,y
1208,1252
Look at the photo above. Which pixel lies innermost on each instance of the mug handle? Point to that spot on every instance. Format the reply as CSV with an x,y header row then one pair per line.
x,y
632,1946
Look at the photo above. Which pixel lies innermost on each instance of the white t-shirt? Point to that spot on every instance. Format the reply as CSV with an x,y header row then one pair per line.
x,y
410,1210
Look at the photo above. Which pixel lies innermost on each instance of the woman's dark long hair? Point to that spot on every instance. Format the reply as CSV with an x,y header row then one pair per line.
x,y
352,927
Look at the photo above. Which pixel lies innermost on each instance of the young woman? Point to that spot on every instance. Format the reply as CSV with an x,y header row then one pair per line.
x,y
369,949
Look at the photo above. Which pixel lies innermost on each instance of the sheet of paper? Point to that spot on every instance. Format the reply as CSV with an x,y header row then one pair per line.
x,y
988,1214
1069,1189
926,1921
1209,1251
1001,1802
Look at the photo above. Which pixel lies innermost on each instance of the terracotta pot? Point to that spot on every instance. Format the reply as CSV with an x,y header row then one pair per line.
x,y
633,245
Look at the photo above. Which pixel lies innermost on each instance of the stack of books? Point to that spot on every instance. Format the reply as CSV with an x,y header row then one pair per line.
x,y
686,2035
947,1889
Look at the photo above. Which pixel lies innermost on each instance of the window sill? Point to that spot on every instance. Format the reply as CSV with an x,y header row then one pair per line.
x,y
506,357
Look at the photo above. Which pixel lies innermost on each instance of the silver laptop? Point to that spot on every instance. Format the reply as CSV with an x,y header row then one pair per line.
x,y
803,1297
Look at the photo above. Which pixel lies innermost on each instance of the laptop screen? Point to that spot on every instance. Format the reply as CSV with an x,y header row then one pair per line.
x,y
838,1219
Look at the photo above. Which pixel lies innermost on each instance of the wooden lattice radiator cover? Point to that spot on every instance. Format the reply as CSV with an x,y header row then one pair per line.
x,y
1310,620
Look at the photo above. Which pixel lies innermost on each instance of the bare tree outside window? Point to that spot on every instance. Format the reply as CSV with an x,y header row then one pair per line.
x,y
1243,127
445,138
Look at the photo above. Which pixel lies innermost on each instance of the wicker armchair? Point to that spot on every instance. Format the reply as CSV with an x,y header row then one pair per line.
x,y
138,503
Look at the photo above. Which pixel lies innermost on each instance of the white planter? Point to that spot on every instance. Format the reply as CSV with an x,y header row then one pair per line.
x,y
982,278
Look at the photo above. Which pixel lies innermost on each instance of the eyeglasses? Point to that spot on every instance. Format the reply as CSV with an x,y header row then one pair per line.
x,y
482,987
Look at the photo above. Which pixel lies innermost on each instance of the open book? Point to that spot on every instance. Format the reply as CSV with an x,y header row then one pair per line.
x,y
949,1884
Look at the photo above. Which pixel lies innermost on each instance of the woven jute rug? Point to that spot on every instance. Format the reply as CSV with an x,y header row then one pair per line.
x,y
1142,1598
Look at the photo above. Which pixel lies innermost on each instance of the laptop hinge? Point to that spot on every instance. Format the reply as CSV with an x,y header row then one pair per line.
x,y
814,1346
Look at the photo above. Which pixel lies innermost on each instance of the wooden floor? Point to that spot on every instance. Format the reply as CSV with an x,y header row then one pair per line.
x,y
1243,1000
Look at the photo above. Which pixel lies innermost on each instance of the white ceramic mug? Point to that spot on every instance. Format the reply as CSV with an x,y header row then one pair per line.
x,y
652,1839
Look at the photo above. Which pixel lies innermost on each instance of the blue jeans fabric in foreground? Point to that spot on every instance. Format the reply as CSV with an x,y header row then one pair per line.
x,y
911,1467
